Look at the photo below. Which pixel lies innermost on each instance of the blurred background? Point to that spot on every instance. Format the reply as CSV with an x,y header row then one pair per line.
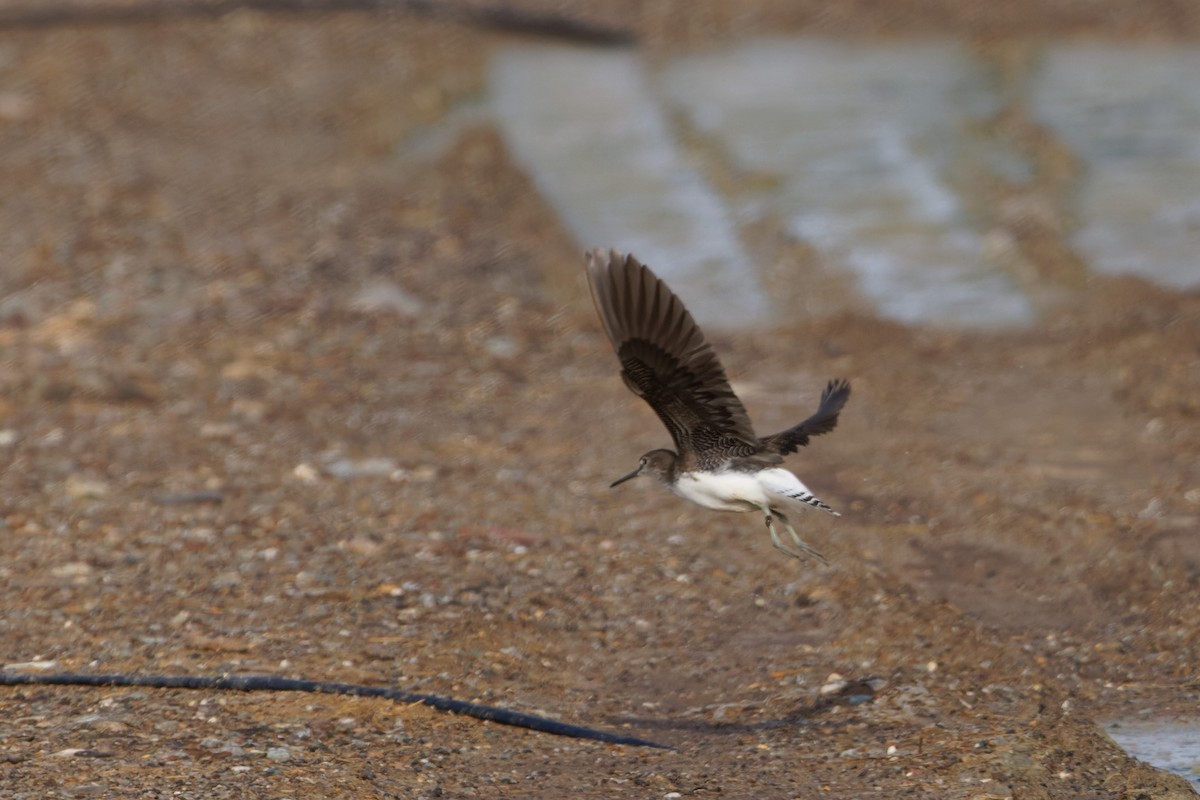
x,y
300,376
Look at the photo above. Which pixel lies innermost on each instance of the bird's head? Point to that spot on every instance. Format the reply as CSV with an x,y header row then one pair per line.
x,y
659,464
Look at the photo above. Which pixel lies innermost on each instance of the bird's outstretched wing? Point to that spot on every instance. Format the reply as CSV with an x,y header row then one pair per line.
x,y
666,361
836,393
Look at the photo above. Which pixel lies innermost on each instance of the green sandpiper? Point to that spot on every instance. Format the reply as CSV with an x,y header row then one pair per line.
x,y
718,461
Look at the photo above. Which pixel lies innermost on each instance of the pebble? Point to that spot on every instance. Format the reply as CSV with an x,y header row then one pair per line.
x,y
31,666
201,534
346,468
82,752
833,684
225,580
385,297
80,488
422,474
501,347
305,473
278,753
73,569
217,430
223,747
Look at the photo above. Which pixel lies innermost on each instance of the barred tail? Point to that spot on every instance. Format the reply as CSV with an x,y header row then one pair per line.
x,y
808,498
781,483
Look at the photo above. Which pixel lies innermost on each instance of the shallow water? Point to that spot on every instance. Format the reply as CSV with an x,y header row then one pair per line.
x,y
1171,746
1132,115
871,154
587,128
859,142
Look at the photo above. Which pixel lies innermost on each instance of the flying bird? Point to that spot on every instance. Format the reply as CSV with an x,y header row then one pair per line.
x,y
718,460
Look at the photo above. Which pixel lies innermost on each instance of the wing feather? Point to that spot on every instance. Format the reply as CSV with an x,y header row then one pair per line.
x,y
836,393
666,361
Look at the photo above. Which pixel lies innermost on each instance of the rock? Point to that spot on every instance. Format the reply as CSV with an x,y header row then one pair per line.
x,y
385,297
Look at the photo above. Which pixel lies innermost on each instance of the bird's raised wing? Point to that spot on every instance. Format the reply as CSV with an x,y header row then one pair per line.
x,y
836,393
666,361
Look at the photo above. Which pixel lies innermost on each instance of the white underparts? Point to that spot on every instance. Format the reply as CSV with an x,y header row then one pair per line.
x,y
776,488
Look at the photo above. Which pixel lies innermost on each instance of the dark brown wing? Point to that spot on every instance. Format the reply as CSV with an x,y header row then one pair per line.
x,y
666,361
832,399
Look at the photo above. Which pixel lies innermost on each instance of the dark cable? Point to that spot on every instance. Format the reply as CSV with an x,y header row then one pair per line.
x,y
271,683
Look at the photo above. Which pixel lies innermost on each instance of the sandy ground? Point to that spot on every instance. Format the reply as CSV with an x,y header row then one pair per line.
x,y
221,275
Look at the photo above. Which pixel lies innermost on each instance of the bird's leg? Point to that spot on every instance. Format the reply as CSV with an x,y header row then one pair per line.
x,y
779,545
804,547
775,535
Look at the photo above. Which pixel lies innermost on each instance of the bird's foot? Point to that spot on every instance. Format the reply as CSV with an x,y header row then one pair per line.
x,y
804,547
803,553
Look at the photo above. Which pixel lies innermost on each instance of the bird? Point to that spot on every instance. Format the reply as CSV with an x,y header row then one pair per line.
x,y
718,461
